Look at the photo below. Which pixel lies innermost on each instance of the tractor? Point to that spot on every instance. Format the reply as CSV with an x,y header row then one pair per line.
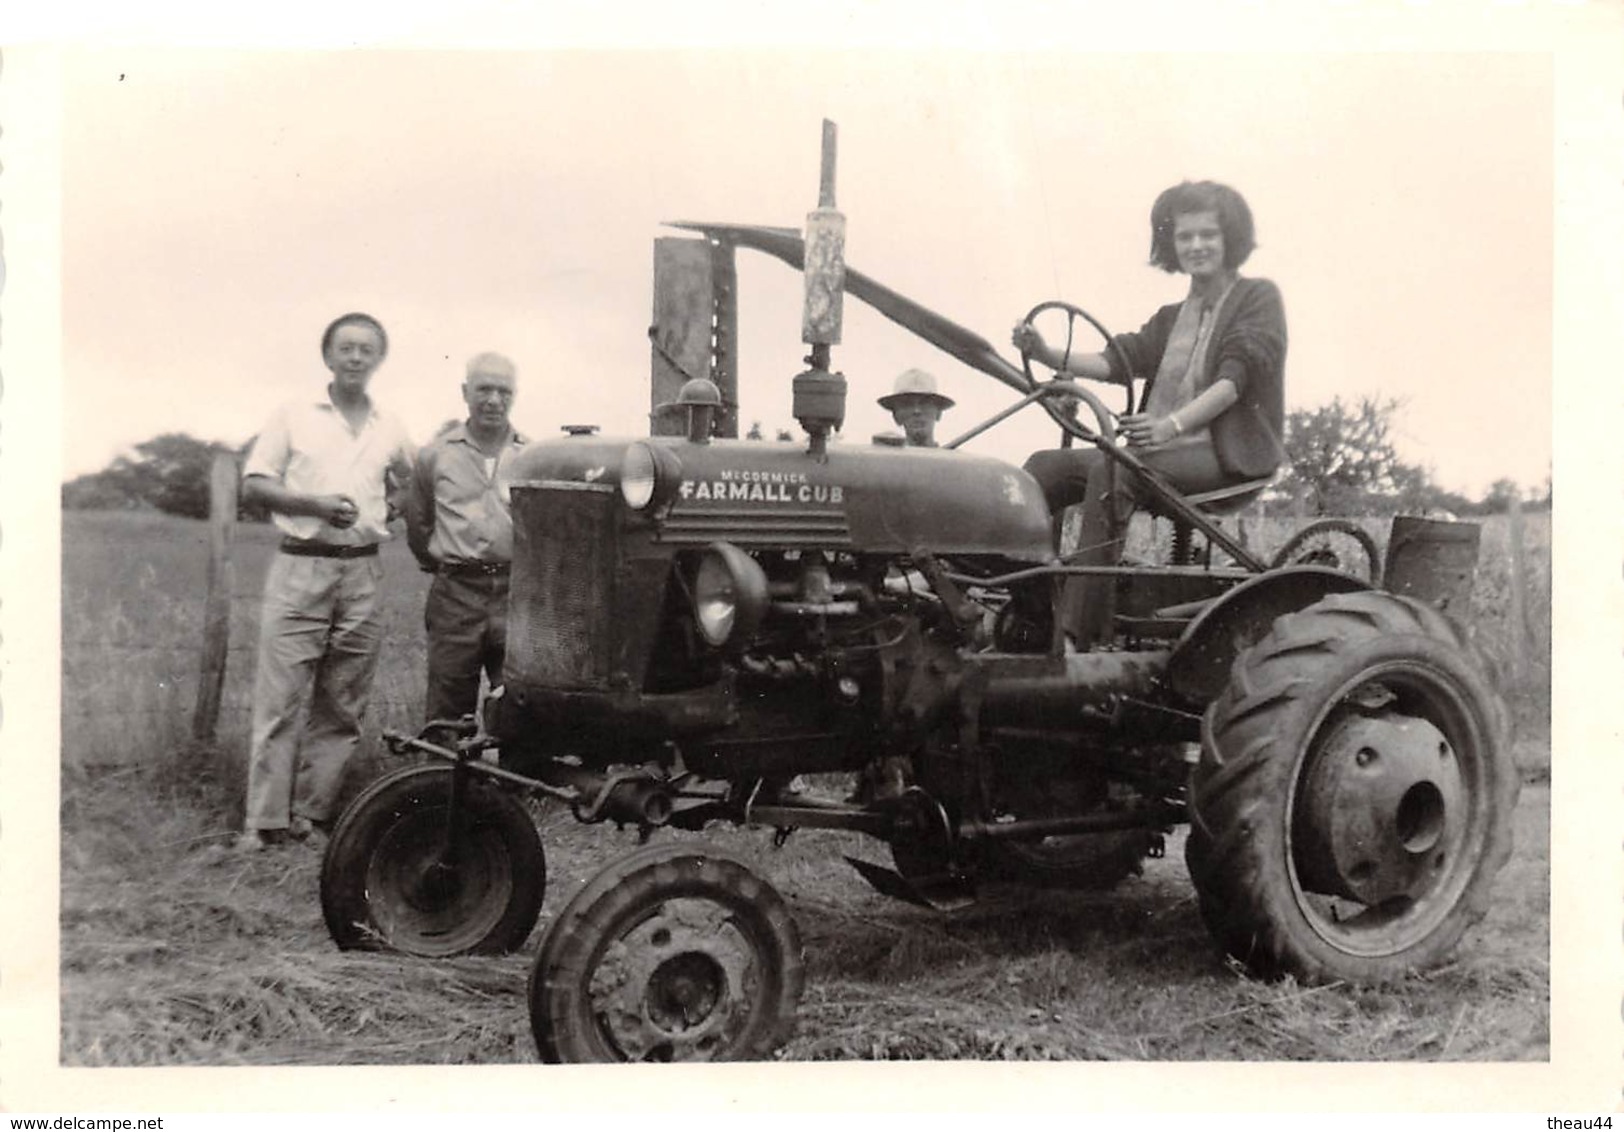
x,y
705,629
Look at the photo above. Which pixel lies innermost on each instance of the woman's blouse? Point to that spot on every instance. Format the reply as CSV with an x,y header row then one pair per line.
x,y
1245,344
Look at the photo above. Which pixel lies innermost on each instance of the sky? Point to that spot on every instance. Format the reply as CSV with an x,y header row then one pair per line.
x,y
219,205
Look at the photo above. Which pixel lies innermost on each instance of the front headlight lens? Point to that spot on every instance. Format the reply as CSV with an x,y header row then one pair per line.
x,y
730,594
637,476
650,476
716,600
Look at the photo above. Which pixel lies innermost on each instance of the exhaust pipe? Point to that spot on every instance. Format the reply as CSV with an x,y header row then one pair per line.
x,y
1082,691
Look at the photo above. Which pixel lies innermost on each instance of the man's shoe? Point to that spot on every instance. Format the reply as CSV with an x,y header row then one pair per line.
x,y
300,828
254,841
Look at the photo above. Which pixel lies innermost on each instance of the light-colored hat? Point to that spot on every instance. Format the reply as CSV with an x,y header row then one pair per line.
x,y
915,383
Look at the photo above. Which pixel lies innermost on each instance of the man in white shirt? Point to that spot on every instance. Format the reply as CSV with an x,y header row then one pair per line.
x,y
324,467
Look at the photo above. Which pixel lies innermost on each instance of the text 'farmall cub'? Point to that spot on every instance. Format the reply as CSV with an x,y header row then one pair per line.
x,y
698,624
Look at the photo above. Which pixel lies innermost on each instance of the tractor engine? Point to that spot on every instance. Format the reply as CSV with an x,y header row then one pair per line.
x,y
756,607
845,662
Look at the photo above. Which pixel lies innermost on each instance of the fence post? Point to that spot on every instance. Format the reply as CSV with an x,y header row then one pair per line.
x,y
217,604
1521,634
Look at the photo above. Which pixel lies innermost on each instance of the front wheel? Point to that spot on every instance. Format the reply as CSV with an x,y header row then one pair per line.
x,y
1354,797
671,953
394,876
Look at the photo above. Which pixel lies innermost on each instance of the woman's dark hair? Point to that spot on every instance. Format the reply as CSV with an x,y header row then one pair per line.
x,y
1234,220
354,318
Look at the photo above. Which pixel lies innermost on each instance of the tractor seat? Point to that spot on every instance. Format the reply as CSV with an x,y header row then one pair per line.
x,y
1220,500
1224,500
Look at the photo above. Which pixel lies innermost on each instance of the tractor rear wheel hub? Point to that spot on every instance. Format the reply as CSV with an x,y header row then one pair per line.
x,y
1377,801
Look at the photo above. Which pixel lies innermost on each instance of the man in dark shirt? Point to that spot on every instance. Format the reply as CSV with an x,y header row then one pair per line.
x,y
460,529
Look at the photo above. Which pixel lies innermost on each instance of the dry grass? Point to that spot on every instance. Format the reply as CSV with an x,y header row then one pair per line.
x,y
1131,975
133,587
174,952
202,958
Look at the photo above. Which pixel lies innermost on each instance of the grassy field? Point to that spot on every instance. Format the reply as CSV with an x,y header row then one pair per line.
x,y
174,952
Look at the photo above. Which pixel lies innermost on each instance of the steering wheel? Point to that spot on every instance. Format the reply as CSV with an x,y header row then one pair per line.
x,y
1067,419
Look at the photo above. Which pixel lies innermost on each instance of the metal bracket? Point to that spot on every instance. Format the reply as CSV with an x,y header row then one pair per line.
x,y
963,611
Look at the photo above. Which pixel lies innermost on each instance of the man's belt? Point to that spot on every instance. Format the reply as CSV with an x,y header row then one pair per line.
x,y
474,569
312,548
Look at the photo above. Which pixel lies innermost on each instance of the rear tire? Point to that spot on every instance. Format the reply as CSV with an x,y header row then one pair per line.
x,y
1354,797
671,953
385,885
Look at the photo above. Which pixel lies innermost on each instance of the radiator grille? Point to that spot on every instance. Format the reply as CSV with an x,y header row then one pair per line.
x,y
757,526
563,586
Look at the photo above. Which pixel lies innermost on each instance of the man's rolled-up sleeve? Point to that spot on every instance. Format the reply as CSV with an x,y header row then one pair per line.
x,y
271,449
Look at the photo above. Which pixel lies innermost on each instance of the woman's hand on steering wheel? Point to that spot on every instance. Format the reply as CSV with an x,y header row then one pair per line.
x,y
1144,430
1029,342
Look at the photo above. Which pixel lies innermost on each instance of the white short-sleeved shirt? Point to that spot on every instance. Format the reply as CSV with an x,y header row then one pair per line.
x,y
308,446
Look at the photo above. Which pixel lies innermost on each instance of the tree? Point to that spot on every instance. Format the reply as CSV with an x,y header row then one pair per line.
x,y
168,473
101,491
756,433
1497,500
1416,494
1341,455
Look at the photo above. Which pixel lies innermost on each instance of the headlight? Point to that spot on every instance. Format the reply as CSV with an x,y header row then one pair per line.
x,y
649,475
730,594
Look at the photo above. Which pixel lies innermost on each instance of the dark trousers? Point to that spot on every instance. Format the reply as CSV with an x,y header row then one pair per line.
x,y
1106,491
466,618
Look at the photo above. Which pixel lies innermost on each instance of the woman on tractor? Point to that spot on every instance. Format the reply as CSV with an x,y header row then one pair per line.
x,y
1212,413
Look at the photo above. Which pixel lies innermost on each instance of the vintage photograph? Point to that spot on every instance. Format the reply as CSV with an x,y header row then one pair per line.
x,y
801,555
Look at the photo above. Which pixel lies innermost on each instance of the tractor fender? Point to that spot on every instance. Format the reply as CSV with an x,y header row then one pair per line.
x,y
1198,668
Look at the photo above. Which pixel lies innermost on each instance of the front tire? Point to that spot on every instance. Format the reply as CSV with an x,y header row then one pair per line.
x,y
671,953
1354,796
387,882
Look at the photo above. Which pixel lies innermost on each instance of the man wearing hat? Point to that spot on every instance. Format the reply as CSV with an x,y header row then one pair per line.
x,y
460,529
326,467
916,406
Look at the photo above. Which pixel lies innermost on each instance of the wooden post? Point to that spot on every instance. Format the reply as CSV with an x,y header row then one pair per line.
x,y
217,603
695,330
724,362
1521,635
